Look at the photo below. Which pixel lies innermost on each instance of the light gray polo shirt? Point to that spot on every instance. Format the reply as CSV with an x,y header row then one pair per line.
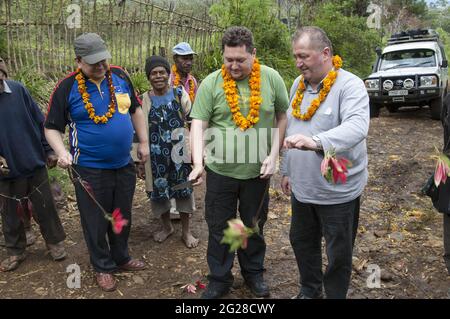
x,y
341,123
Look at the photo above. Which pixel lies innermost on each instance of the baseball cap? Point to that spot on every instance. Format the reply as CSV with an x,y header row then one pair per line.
x,y
183,48
91,48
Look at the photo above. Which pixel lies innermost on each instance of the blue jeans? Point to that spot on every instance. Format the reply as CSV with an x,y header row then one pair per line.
x,y
338,225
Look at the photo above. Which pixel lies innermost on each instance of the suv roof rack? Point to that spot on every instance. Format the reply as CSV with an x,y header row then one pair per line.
x,y
414,36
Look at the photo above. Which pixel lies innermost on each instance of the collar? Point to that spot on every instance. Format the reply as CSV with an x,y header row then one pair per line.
x,y
7,88
309,88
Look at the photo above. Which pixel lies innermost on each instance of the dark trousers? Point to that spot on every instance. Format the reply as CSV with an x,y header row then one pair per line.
x,y
447,241
338,225
224,195
44,211
112,188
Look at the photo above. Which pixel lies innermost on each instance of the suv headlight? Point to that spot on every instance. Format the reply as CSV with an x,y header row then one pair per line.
x,y
372,84
408,84
388,85
428,81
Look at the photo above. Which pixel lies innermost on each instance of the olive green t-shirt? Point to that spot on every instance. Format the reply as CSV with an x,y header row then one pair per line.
x,y
229,151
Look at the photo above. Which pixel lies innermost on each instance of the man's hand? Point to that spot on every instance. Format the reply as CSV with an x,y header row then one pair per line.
x,y
267,168
196,175
4,170
140,170
64,159
143,152
52,160
300,142
286,185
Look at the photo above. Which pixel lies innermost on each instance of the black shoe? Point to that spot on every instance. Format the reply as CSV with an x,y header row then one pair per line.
x,y
302,296
215,291
258,287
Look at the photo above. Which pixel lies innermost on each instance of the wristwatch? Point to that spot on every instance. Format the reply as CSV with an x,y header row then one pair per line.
x,y
318,143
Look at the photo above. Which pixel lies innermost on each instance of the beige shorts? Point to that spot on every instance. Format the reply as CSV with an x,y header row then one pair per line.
x,y
183,205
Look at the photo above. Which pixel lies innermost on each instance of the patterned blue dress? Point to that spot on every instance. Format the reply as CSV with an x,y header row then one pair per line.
x,y
166,116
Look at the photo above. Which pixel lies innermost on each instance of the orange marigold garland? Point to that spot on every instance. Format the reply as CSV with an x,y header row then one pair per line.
x,y
232,97
88,105
327,84
177,80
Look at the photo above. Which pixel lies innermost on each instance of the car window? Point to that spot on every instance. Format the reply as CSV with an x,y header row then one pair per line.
x,y
407,58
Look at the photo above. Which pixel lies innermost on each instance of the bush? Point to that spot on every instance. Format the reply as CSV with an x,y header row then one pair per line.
x,y
351,38
2,43
39,85
140,82
272,39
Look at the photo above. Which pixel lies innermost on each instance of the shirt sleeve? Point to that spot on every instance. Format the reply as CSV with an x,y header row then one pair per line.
x,y
354,114
203,103
38,118
281,95
58,107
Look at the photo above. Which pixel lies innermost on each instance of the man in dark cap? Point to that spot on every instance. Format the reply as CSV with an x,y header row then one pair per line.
x,y
99,105
24,153
170,114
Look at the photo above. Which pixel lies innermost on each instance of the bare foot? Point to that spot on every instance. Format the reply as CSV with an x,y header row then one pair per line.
x,y
189,240
162,235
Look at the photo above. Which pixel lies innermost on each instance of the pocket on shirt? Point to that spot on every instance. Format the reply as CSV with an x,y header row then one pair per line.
x,y
123,102
323,122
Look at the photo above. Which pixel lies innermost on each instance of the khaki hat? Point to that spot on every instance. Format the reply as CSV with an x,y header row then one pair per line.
x,y
91,47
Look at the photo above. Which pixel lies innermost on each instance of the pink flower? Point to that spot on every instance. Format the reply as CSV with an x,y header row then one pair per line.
x,y
442,170
190,288
118,222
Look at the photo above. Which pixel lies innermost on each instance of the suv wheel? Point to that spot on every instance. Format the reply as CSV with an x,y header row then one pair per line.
x,y
436,108
374,110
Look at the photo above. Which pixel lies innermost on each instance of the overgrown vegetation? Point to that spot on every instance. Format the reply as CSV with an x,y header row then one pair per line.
x,y
351,37
2,42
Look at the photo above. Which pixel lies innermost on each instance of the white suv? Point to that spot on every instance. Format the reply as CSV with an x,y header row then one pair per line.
x,y
412,70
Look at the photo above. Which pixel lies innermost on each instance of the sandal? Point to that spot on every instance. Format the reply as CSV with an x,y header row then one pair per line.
x,y
12,262
133,265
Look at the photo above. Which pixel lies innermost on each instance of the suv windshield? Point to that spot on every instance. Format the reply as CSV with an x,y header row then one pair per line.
x,y
407,59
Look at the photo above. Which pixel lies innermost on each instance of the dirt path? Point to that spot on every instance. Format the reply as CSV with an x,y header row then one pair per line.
x,y
399,232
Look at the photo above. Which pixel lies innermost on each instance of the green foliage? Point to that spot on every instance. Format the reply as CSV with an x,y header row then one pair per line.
x,y
271,36
39,85
140,82
445,38
3,49
351,38
207,63
61,176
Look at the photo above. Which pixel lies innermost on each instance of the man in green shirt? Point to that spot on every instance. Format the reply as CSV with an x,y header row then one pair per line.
x,y
243,107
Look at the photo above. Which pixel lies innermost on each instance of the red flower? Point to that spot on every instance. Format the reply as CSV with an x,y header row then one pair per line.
x,y
118,222
334,169
200,285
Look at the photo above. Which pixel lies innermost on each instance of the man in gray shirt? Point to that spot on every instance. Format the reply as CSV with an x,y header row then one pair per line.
x,y
329,111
